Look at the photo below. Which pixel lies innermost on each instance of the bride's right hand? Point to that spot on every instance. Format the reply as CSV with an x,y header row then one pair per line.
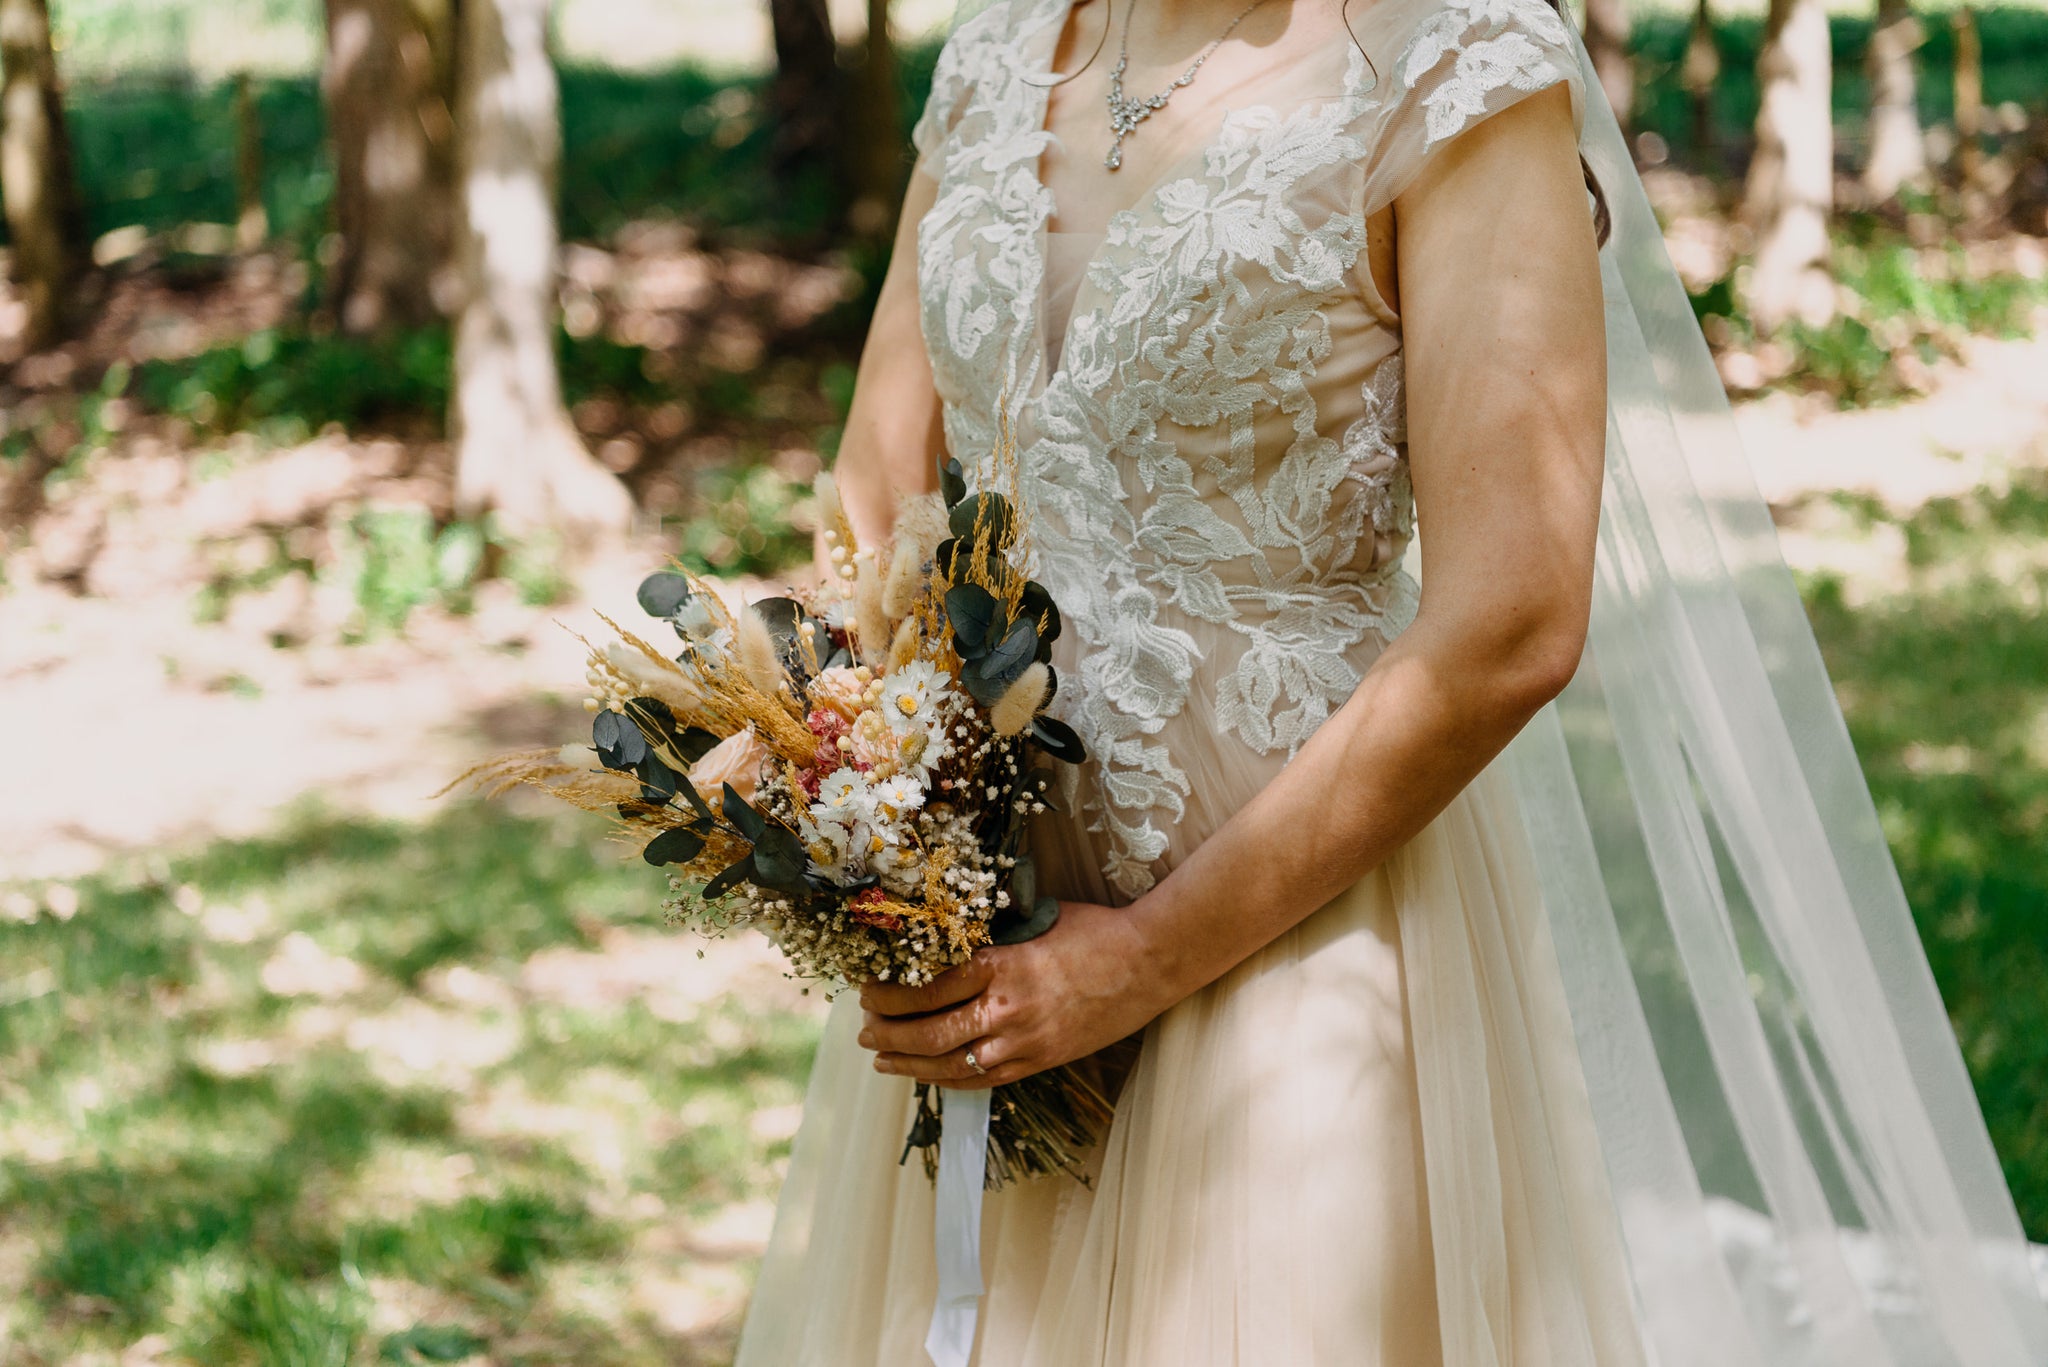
x,y
1021,1009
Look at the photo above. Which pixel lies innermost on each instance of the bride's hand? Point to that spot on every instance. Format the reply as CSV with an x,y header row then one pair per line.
x,y
1081,986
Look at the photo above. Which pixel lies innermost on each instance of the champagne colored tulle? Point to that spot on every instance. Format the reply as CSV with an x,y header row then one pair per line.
x,y
1267,1194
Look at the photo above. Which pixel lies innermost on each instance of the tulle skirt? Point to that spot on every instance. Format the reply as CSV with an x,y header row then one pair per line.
x,y
1369,1144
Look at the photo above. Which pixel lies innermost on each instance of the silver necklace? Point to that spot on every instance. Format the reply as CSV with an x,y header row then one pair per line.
x,y
1126,114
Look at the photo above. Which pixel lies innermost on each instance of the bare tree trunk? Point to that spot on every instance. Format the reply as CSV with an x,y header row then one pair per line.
x,y
1791,182
393,185
1607,45
252,223
43,214
1700,72
879,118
516,451
1898,151
1969,87
805,97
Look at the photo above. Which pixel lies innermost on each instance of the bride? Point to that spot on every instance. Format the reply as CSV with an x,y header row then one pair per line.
x,y
1519,976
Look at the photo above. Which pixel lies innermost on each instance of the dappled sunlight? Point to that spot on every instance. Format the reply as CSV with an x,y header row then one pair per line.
x,y
520,1145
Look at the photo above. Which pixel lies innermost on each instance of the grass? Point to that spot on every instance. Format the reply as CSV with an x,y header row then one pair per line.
x,y
1946,688
262,1177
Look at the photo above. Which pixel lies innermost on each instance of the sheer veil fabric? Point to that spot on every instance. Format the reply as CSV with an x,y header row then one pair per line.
x,y
1632,1056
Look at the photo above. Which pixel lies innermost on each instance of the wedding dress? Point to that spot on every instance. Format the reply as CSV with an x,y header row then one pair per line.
x,y
1436,1122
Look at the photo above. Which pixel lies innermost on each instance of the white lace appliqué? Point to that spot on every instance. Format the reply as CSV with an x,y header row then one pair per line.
x,y
1206,315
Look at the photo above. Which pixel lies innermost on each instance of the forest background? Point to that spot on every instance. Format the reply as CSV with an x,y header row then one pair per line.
x,y
346,348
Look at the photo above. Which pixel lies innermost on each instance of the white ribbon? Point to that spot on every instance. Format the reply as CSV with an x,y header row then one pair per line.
x,y
956,1225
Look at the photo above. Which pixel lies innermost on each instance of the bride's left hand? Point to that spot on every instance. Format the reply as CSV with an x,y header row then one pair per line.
x,y
1083,985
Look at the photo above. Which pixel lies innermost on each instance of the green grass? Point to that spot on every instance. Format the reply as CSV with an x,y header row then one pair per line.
x,y
1946,689
1901,304
310,1205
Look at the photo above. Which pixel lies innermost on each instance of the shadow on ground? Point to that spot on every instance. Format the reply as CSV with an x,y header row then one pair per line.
x,y
365,1092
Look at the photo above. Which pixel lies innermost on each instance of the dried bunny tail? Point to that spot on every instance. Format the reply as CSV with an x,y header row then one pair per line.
x,y
758,655
647,679
920,527
644,671
909,640
832,512
1021,700
870,622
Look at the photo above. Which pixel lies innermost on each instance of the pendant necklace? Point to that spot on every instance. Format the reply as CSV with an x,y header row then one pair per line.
x,y
1126,114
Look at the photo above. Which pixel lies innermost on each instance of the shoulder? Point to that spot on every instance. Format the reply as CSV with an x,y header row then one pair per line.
x,y
975,57
1460,60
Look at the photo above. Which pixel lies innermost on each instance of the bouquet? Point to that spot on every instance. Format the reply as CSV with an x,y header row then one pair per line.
x,y
851,771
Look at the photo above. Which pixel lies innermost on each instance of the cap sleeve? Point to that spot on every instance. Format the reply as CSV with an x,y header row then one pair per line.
x,y
1458,62
952,87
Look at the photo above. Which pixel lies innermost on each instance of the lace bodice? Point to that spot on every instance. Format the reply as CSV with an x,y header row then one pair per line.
x,y
1212,456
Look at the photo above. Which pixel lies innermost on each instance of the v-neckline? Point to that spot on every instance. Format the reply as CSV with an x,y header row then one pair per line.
x,y
1047,49
1040,49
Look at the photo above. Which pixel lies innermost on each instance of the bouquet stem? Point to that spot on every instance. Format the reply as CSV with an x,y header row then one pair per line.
x,y
1043,1125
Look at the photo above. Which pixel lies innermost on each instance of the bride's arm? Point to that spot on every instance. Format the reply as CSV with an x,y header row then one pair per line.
x,y
1506,373
893,434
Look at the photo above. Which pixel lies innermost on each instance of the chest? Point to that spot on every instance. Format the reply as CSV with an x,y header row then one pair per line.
x,y
1231,271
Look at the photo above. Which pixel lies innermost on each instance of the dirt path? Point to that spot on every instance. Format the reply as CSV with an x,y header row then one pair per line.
x,y
207,732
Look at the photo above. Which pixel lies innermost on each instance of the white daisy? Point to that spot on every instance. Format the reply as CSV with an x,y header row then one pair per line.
x,y
830,847
844,798
914,695
895,798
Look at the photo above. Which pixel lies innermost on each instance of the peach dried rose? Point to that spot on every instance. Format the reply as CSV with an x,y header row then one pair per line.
x,y
736,760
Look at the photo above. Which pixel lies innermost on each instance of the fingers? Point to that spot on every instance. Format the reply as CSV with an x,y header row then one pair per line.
x,y
950,988
951,1069
927,1036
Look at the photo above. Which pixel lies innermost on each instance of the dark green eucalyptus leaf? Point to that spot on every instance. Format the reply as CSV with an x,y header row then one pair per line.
x,y
740,871
677,845
1011,656
1035,604
658,782
779,861
694,744
656,722
661,594
952,481
1023,883
687,791
741,814
1058,739
973,611
984,514
619,743
1042,918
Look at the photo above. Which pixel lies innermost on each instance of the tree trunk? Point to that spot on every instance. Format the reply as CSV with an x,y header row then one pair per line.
x,y
1791,182
1969,88
252,222
1700,73
516,451
1607,45
393,184
805,97
882,163
44,218
1898,152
